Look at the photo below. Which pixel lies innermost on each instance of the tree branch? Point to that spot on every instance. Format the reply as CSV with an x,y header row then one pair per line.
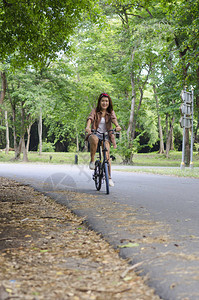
x,y
150,14
138,16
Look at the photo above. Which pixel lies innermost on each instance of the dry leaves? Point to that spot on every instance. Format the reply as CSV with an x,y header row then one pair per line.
x,y
46,252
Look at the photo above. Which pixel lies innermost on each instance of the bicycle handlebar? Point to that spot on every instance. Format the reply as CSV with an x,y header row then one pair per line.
x,y
106,133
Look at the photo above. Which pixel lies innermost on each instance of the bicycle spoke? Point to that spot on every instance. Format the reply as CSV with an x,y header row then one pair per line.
x,y
97,175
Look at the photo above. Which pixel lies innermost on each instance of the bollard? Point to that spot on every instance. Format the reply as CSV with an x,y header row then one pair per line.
x,y
76,159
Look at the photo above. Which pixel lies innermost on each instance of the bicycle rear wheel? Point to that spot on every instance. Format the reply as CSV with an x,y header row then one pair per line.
x,y
106,177
97,175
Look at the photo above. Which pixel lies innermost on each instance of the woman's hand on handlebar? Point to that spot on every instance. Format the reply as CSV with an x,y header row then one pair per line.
x,y
118,128
88,130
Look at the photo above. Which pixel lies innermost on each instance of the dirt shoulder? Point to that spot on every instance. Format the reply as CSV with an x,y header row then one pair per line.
x,y
46,252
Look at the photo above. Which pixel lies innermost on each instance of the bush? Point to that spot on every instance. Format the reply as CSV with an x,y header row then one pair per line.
x,y
48,147
196,147
125,149
72,148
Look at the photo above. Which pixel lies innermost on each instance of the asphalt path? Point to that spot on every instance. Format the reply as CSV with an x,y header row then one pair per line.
x,y
151,219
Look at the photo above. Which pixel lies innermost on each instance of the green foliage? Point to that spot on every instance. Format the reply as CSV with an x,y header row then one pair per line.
x,y
196,147
48,147
35,31
2,127
151,42
183,17
26,93
72,148
124,148
148,127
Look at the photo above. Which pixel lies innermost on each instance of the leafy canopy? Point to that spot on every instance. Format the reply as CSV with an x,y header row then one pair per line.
x,y
35,31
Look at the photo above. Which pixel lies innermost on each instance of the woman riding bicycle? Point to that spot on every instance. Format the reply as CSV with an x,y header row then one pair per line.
x,y
101,119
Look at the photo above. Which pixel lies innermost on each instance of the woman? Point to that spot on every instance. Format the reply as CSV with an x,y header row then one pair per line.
x,y
101,119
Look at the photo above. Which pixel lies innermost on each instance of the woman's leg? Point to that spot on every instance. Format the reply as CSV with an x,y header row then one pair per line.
x,y
93,140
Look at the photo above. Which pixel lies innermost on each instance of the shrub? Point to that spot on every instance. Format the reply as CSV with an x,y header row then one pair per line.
x,y
48,147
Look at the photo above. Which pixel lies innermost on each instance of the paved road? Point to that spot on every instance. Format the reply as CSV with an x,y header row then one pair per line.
x,y
152,220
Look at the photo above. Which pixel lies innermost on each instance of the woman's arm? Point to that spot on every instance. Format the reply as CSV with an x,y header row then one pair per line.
x,y
88,124
90,120
117,126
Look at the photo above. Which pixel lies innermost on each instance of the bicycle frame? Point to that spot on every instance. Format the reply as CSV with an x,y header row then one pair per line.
x,y
101,167
102,148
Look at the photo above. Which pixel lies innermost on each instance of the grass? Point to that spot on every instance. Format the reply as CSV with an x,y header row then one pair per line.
x,y
151,163
48,157
149,160
155,159
187,172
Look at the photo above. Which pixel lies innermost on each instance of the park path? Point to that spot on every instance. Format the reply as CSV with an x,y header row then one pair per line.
x,y
150,219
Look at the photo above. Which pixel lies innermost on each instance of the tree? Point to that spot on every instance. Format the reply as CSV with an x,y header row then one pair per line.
x,y
183,17
26,94
137,56
161,149
140,43
33,32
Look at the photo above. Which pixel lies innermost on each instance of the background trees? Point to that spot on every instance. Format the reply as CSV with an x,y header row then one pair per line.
x,y
35,31
141,53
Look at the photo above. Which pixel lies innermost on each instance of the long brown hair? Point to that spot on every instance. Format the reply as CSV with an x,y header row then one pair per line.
x,y
110,107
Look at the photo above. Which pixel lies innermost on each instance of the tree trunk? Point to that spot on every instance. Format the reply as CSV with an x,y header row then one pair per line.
x,y
23,130
28,140
161,149
24,150
7,133
133,98
3,87
168,144
169,138
77,143
130,131
40,131
172,140
18,148
132,112
167,126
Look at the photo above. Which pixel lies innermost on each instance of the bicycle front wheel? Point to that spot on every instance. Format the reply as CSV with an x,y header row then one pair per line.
x,y
106,177
97,175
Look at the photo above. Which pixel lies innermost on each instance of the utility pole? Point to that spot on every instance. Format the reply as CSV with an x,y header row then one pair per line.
x,y
186,122
191,155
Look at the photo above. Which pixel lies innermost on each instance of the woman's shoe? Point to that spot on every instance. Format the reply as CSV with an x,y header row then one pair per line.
x,y
92,165
111,183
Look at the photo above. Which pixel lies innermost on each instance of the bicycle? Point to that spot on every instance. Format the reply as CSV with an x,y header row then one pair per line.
x,y
101,167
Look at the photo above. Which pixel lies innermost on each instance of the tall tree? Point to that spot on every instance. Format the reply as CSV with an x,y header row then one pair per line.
x,y
161,149
35,31
183,17
26,95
